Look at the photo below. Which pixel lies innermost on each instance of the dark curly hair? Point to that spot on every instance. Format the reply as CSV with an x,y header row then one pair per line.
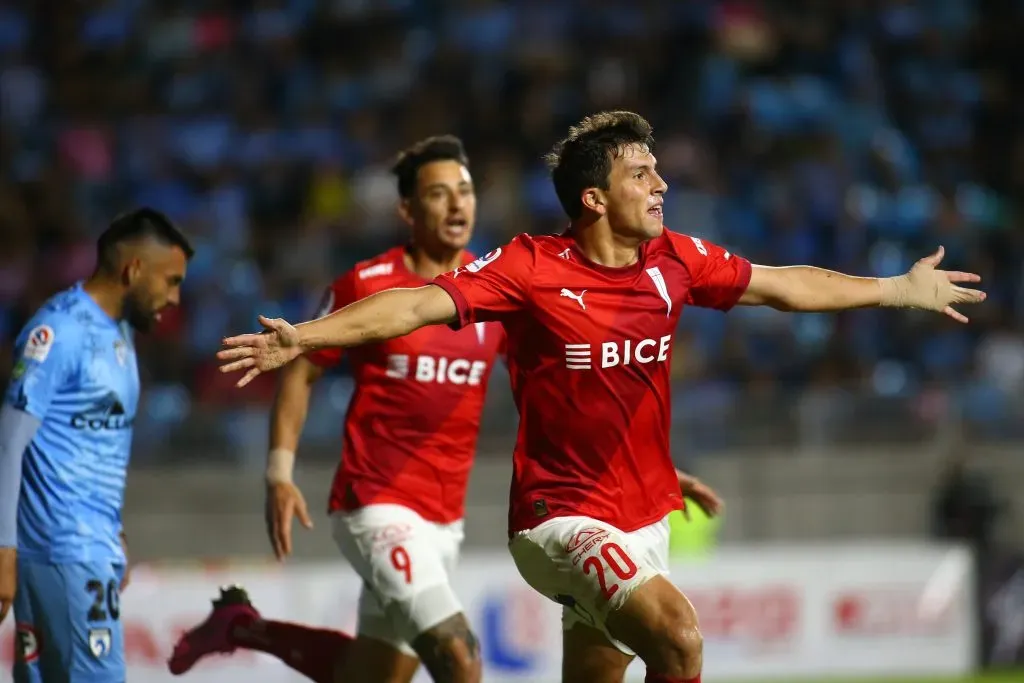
x,y
584,157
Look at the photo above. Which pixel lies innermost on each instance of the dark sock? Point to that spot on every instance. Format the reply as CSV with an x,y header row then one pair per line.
x,y
663,678
313,652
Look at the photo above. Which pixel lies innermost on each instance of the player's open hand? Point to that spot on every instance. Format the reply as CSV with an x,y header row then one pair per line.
x,y
930,289
8,580
700,493
284,502
277,345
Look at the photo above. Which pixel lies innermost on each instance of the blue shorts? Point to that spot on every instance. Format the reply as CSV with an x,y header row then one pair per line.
x,y
68,625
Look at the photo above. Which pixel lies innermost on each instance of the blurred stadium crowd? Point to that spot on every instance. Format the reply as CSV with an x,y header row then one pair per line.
x,y
852,134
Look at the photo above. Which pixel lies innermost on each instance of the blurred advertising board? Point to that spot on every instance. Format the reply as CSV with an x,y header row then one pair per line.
x,y
766,612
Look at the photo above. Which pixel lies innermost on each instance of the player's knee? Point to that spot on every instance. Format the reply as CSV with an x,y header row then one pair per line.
x,y
450,651
680,645
660,625
683,645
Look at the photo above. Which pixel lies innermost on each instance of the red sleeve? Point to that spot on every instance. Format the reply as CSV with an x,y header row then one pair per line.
x,y
341,293
717,278
494,285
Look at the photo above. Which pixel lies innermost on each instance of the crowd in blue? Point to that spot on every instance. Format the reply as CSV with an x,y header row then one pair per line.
x,y
851,134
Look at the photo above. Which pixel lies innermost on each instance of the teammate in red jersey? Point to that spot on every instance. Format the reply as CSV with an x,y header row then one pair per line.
x,y
410,433
589,317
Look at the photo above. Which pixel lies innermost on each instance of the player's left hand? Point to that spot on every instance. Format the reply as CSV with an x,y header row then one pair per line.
x,y
277,345
928,288
700,493
285,502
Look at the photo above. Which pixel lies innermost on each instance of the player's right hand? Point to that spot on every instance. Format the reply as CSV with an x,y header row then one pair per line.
x,y
277,345
8,580
284,501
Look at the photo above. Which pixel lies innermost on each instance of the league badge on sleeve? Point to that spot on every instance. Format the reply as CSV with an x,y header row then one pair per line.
x,y
40,341
489,257
475,266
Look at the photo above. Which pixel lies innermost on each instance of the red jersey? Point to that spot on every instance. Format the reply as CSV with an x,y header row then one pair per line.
x,y
589,350
412,424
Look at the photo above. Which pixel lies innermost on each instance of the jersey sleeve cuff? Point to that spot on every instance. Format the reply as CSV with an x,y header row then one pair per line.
x,y
461,303
742,282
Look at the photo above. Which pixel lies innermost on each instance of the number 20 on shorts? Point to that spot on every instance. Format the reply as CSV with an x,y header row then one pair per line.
x,y
616,559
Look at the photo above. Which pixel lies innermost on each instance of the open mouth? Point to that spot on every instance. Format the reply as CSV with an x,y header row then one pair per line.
x,y
456,227
656,211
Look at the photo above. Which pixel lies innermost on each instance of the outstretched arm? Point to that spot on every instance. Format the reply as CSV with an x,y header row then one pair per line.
x,y
809,289
382,316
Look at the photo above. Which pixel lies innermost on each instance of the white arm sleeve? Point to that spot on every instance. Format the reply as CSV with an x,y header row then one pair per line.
x,y
16,431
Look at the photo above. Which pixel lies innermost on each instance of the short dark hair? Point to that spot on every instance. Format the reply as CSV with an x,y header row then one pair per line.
x,y
141,223
411,159
584,157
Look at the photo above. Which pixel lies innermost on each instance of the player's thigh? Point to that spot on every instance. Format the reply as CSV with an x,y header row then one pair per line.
x,y
370,660
588,656
659,624
589,567
75,611
402,563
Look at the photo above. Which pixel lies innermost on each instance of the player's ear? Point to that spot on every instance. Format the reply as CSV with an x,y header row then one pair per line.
x,y
405,212
593,200
132,271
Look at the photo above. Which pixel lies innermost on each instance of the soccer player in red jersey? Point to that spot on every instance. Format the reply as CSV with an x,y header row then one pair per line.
x,y
589,316
410,433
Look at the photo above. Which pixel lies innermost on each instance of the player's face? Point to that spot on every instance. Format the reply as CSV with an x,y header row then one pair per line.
x,y
443,211
633,201
155,285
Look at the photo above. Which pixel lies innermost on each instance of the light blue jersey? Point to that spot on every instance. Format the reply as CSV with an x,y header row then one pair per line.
x,y
76,372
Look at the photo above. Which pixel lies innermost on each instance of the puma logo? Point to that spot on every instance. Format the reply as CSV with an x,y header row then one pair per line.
x,y
578,298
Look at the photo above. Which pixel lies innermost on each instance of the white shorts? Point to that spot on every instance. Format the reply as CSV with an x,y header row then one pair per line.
x,y
590,567
405,563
